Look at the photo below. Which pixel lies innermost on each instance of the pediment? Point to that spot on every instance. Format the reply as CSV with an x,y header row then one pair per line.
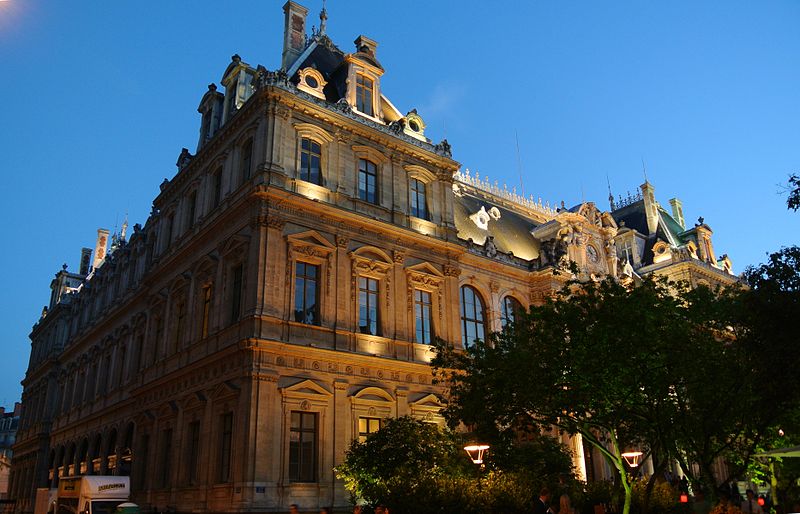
x,y
193,400
310,237
233,244
371,253
306,387
429,401
425,268
225,389
373,394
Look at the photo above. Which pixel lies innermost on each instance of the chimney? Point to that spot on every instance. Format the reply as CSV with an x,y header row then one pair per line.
x,y
86,259
100,247
17,409
294,33
367,45
650,206
677,212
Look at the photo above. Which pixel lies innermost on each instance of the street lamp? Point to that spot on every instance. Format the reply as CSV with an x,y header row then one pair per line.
x,y
476,451
632,458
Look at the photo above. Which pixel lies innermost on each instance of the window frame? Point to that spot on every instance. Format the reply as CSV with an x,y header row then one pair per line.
x,y
419,307
246,160
361,436
414,195
296,451
367,293
478,308
305,278
364,165
365,94
304,172
516,309
225,448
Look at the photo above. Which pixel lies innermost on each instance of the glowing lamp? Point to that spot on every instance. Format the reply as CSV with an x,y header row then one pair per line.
x,y
761,501
476,451
684,498
632,458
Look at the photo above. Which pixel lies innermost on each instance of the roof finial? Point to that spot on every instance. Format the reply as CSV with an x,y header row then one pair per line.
x,y
610,195
323,19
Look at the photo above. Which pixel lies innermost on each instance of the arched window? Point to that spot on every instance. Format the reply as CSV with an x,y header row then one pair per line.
x,y
472,316
511,310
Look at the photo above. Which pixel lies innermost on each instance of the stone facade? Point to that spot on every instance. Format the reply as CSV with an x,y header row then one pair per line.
x,y
279,300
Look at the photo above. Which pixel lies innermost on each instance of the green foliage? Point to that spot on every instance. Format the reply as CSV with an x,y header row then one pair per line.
x,y
663,499
413,466
690,374
793,202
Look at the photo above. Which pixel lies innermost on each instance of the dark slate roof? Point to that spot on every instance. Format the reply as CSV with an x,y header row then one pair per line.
x,y
326,58
512,232
668,229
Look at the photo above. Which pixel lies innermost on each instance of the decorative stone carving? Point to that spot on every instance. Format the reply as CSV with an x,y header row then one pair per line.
x,y
451,270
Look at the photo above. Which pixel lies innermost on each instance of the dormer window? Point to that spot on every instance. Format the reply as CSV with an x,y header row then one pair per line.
x,y
364,88
312,82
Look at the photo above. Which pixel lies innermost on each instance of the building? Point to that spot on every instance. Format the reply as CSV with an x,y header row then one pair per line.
x,y
280,299
9,421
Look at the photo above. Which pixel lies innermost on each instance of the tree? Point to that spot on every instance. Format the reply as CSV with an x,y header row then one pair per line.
x,y
793,202
413,466
398,460
596,360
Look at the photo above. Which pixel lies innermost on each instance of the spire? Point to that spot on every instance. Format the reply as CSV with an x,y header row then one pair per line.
x,y
124,228
323,19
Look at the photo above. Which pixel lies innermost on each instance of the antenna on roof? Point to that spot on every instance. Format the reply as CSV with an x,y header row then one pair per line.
x,y
519,165
644,170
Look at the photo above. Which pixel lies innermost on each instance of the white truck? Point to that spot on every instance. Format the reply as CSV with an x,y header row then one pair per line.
x,y
92,494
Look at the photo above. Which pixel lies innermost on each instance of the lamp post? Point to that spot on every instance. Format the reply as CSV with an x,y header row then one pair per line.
x,y
476,452
632,458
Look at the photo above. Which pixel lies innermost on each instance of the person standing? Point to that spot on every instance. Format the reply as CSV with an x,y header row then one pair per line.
x,y
565,505
750,504
540,505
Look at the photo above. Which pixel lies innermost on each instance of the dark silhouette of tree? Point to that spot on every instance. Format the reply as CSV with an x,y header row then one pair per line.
x,y
793,202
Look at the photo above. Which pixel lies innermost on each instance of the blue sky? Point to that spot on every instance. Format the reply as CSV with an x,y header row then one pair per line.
x,y
99,97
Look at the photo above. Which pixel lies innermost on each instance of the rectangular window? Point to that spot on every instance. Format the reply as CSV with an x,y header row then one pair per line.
x,y
310,161
247,158
165,450
141,466
217,192
368,306
367,426
236,293
192,451
419,205
422,313
120,366
306,293
225,438
303,447
206,311
180,319
170,227
192,210
364,95
367,181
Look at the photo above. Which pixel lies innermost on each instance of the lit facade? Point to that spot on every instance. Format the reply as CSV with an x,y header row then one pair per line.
x,y
279,301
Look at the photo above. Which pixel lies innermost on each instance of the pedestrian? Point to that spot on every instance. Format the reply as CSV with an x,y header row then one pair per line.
x,y
293,509
540,505
750,504
565,505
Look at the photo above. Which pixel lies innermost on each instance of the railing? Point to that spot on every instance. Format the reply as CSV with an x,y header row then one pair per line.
x,y
485,185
